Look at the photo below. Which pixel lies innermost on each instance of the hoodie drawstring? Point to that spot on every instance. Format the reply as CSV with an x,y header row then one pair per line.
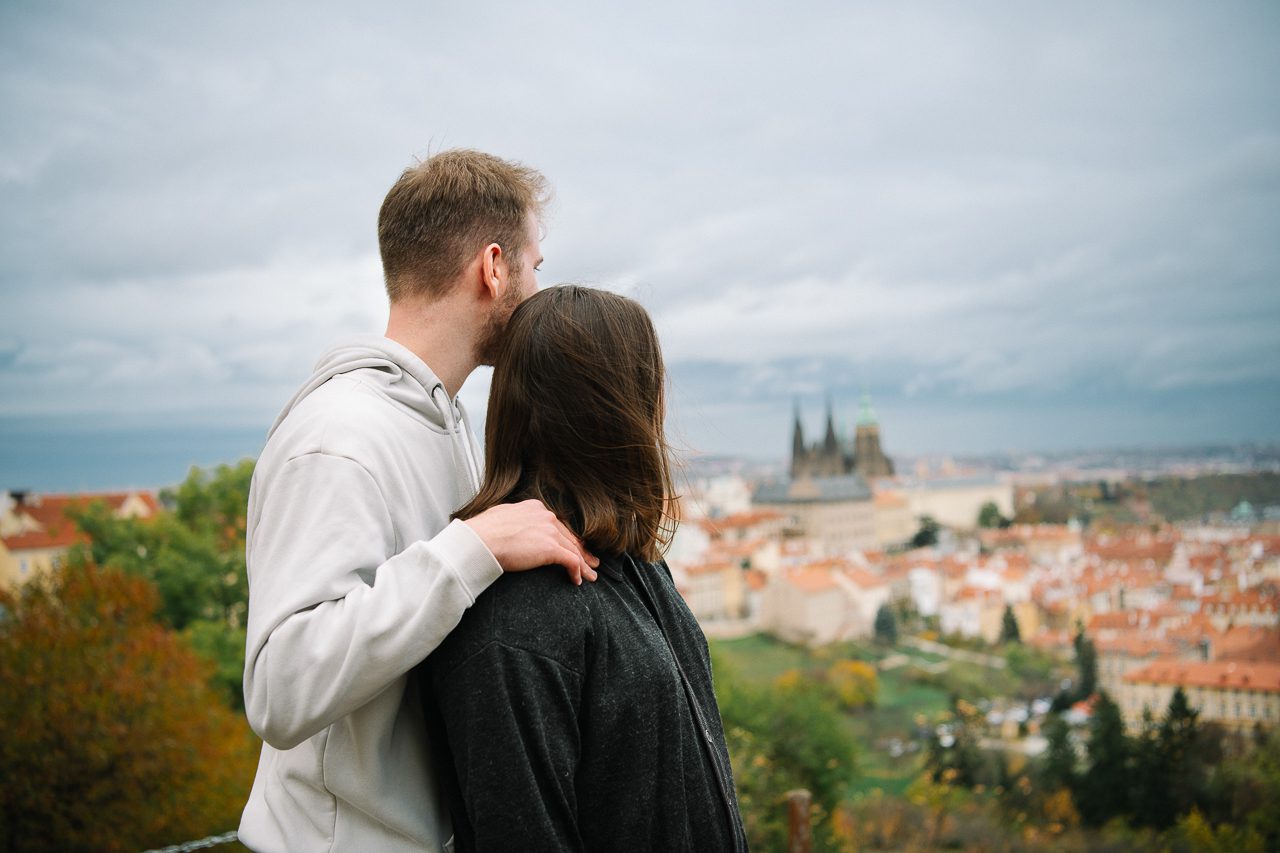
x,y
455,429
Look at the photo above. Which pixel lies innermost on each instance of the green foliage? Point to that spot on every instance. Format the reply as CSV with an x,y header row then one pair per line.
x,y
1037,673
1058,767
1244,790
1087,664
927,534
194,555
853,684
223,646
1009,632
989,516
886,625
953,757
1104,789
1194,834
112,740
779,739
1189,498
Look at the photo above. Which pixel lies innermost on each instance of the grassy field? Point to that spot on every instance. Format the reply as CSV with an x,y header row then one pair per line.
x,y
761,659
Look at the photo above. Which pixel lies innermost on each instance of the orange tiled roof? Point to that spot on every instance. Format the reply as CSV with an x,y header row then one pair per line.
x,y
707,567
1223,675
1049,639
811,580
863,578
739,520
1247,643
54,529
1137,644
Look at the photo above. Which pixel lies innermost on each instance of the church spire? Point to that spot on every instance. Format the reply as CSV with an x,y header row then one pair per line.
x,y
829,444
797,443
866,415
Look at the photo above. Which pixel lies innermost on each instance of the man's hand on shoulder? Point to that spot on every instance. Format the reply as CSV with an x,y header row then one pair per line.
x,y
527,535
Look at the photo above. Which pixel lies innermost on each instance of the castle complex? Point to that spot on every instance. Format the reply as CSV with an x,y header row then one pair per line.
x,y
834,456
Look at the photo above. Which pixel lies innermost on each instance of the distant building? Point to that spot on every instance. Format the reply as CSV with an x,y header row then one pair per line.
x,y
956,501
834,456
824,602
835,513
36,534
1237,695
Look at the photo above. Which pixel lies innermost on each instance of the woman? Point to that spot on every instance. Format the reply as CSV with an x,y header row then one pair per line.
x,y
582,718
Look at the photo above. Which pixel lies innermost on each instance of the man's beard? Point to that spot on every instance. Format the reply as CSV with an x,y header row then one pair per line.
x,y
491,336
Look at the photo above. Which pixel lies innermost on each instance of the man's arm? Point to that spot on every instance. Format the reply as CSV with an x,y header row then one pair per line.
x,y
511,721
527,535
333,619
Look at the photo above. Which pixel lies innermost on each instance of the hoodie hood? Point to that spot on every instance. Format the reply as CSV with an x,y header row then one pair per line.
x,y
392,370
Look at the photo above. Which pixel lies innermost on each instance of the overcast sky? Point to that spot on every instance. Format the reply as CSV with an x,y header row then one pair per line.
x,y
1019,225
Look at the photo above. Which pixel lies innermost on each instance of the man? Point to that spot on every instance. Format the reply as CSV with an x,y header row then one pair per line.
x,y
355,572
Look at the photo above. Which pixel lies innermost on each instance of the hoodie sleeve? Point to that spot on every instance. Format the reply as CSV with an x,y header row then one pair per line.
x,y
334,619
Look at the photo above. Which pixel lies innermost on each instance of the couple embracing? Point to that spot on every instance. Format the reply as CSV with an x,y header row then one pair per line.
x,y
422,673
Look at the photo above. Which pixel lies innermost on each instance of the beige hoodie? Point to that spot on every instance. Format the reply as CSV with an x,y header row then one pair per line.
x,y
355,575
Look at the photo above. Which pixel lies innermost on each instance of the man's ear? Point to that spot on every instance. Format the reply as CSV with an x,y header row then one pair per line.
x,y
492,270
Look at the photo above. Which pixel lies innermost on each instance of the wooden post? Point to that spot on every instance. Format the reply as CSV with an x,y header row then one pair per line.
x,y
799,838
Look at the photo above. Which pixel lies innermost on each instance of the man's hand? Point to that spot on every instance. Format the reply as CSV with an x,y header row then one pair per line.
x,y
527,535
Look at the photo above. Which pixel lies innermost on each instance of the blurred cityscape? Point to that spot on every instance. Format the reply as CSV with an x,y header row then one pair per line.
x,y
938,648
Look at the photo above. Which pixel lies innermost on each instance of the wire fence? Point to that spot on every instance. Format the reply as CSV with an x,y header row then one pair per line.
x,y
199,844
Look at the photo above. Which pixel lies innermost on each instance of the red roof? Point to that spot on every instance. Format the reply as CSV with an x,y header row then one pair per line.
x,y
811,580
1223,675
738,521
55,529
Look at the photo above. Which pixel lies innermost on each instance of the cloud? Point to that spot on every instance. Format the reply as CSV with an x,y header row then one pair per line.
x,y
987,207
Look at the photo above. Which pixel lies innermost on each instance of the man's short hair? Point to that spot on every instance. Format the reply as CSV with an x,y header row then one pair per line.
x,y
447,208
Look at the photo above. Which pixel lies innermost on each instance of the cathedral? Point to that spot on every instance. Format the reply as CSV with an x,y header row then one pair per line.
x,y
834,456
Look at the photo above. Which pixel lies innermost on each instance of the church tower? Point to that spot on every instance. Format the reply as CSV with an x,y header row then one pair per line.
x,y
868,459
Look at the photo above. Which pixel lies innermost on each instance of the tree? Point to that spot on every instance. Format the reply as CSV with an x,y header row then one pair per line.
x,y
886,625
112,739
194,556
854,684
1150,801
989,516
790,736
1087,664
1185,774
1058,768
953,756
1009,632
927,534
1105,786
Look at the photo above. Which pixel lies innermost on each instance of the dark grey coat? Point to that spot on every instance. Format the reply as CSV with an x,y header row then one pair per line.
x,y
582,718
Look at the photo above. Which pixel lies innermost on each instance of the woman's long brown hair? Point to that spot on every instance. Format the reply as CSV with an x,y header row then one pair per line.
x,y
575,420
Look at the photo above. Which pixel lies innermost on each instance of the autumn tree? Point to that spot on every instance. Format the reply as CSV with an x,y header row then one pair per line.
x,y
854,684
112,738
194,555
790,735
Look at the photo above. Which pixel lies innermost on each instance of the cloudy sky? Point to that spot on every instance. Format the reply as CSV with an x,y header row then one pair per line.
x,y
1019,225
